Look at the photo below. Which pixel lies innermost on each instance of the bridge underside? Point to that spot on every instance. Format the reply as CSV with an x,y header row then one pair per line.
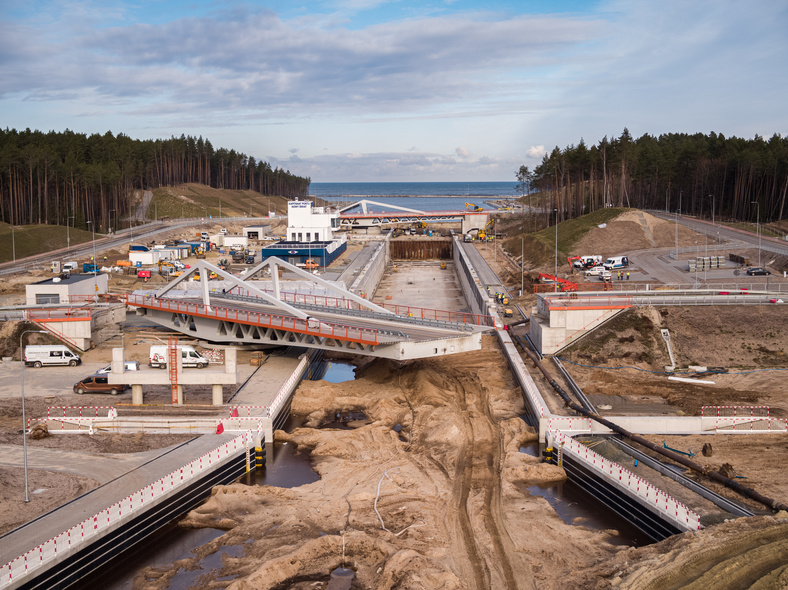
x,y
238,333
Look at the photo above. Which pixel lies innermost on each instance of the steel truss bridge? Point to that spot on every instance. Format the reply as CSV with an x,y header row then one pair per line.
x,y
246,314
395,214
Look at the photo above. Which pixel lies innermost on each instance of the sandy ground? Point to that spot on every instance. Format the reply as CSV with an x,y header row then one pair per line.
x,y
444,502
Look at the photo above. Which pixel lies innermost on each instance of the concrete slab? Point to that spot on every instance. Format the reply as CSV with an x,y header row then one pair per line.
x,y
421,284
53,523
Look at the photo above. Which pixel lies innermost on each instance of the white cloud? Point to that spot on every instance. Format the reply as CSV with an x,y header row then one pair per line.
x,y
462,152
536,152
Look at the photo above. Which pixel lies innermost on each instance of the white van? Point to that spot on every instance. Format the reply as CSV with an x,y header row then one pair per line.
x,y
70,266
38,355
159,354
129,366
616,262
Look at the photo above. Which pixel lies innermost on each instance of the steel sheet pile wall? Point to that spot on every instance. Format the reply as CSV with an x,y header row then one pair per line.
x,y
368,280
470,283
421,249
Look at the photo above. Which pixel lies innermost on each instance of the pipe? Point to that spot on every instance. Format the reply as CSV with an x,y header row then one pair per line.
x,y
715,475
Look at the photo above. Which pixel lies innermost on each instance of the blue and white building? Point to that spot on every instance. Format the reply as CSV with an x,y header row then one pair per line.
x,y
310,234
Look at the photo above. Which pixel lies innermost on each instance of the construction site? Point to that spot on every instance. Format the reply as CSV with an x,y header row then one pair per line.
x,y
440,479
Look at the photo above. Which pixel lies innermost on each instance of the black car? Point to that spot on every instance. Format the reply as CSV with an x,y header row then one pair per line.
x,y
757,270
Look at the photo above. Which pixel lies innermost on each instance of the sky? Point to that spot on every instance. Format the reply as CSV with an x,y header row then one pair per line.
x,y
395,90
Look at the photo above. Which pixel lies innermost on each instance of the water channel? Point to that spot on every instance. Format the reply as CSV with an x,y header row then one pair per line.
x,y
285,467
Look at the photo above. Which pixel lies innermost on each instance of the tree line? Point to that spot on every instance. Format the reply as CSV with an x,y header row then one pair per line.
x,y
703,175
54,177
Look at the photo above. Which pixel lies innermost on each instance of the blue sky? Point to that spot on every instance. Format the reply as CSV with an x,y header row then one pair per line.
x,y
396,90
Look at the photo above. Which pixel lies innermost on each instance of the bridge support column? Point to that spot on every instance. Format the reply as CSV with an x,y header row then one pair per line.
x,y
180,395
218,399
136,395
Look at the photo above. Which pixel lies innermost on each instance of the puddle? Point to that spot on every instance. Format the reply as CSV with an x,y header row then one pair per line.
x,y
284,468
531,448
339,372
168,544
576,507
341,579
347,420
185,579
332,371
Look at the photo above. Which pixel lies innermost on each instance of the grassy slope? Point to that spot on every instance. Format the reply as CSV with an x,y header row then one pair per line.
x,y
29,240
198,200
540,246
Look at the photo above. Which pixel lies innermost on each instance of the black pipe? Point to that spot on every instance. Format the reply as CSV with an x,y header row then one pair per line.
x,y
715,475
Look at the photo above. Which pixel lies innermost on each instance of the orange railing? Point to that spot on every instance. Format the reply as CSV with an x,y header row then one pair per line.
x,y
311,327
401,310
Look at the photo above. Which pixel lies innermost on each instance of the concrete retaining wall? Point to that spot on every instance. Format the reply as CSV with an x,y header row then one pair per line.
x,y
369,278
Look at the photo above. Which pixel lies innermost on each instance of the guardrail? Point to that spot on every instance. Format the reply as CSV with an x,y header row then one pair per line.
x,y
287,386
650,496
93,527
59,314
311,327
735,411
748,424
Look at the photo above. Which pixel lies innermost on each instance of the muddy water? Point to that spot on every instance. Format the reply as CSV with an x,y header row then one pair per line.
x,y
167,545
575,507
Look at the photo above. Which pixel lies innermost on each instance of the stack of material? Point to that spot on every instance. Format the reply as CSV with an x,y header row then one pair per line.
x,y
258,358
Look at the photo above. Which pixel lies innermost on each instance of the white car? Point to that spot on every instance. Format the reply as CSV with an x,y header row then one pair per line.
x,y
595,271
130,366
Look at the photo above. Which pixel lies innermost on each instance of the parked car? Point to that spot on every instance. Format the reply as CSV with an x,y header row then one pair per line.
x,y
595,271
757,270
130,366
98,384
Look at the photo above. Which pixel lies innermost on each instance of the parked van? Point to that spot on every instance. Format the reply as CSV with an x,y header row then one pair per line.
x,y
204,236
70,266
38,355
158,355
98,384
616,262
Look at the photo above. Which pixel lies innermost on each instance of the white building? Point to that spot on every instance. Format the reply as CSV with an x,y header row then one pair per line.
x,y
67,288
306,223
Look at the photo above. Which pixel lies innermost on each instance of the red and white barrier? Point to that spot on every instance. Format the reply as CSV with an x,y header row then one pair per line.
x,y
85,531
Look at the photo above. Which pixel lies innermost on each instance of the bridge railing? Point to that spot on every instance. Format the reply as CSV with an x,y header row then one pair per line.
x,y
62,314
457,317
310,326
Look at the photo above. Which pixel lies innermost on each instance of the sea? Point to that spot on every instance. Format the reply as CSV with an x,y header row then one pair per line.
x,y
425,196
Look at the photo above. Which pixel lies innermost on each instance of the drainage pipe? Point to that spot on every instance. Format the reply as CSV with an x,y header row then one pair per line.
x,y
715,475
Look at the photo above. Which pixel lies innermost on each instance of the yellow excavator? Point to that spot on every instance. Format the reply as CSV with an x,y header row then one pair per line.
x,y
473,207
483,234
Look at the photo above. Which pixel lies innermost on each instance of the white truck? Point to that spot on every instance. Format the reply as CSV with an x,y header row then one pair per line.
x,y
38,355
159,354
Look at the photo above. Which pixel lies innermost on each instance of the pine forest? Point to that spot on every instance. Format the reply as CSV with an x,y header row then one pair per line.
x,y
701,175
46,178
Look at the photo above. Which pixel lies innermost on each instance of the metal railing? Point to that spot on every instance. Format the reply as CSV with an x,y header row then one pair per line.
x,y
311,326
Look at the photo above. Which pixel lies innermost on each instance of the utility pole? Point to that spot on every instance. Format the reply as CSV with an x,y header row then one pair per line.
x,y
758,228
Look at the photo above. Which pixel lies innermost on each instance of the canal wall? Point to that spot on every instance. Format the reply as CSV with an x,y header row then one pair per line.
x,y
59,548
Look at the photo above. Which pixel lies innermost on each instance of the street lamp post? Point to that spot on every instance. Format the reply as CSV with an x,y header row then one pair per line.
x,y
111,211
555,272
24,420
13,242
758,228
68,237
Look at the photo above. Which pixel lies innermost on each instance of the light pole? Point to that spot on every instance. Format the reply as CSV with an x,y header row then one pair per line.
x,y
758,228
678,212
555,272
522,259
68,237
111,211
13,241
24,421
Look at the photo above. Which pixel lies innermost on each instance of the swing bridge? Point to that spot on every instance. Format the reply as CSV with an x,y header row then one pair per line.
x,y
234,310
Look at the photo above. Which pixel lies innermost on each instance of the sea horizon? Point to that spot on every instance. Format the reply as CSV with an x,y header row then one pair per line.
x,y
353,190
